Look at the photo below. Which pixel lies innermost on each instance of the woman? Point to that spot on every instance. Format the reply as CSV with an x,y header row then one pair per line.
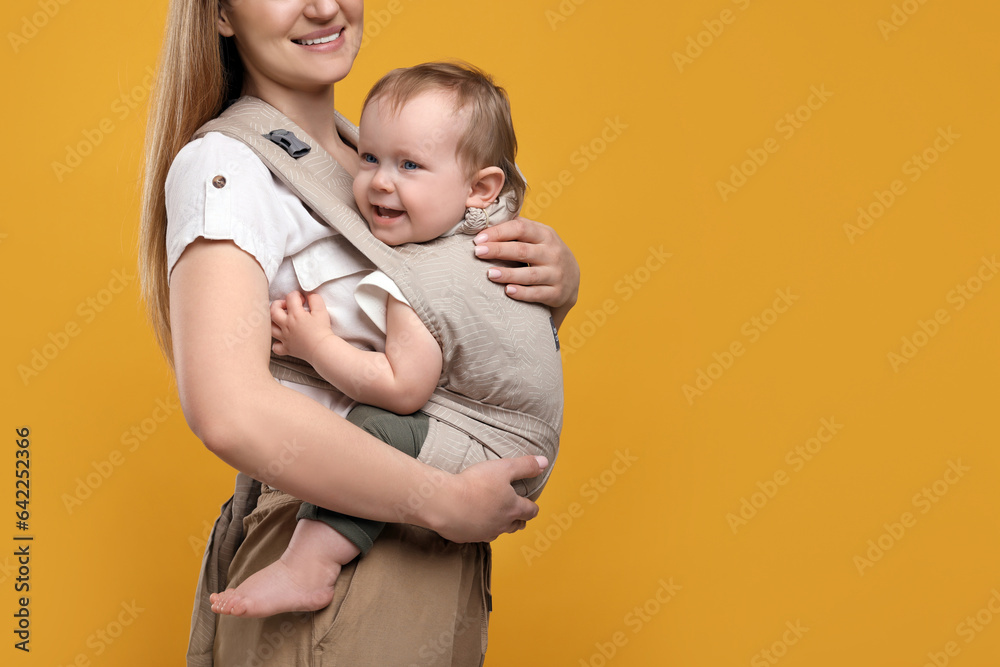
x,y
213,324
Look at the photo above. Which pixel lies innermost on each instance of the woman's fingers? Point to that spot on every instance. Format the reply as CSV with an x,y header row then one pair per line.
x,y
518,229
536,274
535,284
518,525
526,467
486,505
518,251
551,275
517,240
547,295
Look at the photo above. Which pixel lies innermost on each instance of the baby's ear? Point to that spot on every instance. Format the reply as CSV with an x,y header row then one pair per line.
x,y
485,188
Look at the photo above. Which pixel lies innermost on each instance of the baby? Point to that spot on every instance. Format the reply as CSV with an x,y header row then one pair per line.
x,y
437,150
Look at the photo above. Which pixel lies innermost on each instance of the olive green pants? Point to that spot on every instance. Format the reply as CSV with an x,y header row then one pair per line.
x,y
405,433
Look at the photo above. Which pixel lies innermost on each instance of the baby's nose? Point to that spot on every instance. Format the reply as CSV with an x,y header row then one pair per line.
x,y
381,180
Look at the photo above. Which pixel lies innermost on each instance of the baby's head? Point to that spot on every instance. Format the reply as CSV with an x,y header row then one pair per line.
x,y
436,139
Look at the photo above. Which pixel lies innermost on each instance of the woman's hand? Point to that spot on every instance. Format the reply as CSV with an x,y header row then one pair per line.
x,y
552,276
481,504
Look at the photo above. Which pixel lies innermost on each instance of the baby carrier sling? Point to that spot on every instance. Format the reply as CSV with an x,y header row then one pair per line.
x,y
496,351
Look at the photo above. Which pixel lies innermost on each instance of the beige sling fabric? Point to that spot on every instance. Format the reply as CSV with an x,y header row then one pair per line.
x,y
497,352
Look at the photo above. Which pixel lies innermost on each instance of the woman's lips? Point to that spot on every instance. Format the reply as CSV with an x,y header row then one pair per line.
x,y
320,37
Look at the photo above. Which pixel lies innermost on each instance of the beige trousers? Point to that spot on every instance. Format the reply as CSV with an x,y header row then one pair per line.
x,y
415,600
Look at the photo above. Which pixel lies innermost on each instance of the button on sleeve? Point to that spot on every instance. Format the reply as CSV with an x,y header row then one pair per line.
x,y
218,208
218,189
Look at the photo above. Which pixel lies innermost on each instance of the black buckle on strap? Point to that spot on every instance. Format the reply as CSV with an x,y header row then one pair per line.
x,y
287,140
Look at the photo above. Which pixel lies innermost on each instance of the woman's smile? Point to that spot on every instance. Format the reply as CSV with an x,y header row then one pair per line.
x,y
293,45
320,37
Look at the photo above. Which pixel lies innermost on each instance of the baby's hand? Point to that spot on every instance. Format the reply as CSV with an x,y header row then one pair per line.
x,y
299,331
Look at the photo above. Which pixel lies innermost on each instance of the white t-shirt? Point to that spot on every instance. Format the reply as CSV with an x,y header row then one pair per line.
x,y
250,207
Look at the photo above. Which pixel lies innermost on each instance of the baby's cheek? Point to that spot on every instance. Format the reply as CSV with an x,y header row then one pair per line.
x,y
359,195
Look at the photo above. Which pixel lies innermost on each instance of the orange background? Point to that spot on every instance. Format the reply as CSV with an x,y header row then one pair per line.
x,y
629,118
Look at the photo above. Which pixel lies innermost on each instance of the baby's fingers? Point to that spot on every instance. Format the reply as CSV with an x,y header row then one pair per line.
x,y
316,303
293,302
278,310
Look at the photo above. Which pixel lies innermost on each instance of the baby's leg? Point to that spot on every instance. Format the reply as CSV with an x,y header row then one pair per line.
x,y
301,580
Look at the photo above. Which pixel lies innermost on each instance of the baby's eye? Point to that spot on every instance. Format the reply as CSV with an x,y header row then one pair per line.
x,y
369,158
410,165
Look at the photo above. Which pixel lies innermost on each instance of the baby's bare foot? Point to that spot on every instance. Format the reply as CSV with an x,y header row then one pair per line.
x,y
301,580
276,589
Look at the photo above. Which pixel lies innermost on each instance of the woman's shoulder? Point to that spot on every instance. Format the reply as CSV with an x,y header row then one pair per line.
x,y
217,188
212,155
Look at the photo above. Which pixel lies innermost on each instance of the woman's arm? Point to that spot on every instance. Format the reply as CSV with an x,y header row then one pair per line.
x,y
221,330
552,276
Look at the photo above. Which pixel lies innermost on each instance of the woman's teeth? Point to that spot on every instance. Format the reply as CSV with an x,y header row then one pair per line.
x,y
321,40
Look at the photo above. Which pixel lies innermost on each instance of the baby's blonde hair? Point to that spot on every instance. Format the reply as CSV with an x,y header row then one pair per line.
x,y
488,139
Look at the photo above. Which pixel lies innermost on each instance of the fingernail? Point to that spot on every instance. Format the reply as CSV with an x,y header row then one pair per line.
x,y
480,238
542,461
480,250
511,289
493,274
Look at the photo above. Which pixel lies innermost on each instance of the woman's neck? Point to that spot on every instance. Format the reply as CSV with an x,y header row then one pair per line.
x,y
314,113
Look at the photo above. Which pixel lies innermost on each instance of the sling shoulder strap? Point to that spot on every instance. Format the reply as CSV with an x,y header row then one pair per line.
x,y
322,184
316,177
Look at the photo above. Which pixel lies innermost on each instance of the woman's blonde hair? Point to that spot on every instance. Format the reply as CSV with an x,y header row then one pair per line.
x,y
489,139
198,70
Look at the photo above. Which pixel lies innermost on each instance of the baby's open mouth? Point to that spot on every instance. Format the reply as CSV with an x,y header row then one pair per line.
x,y
383,212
